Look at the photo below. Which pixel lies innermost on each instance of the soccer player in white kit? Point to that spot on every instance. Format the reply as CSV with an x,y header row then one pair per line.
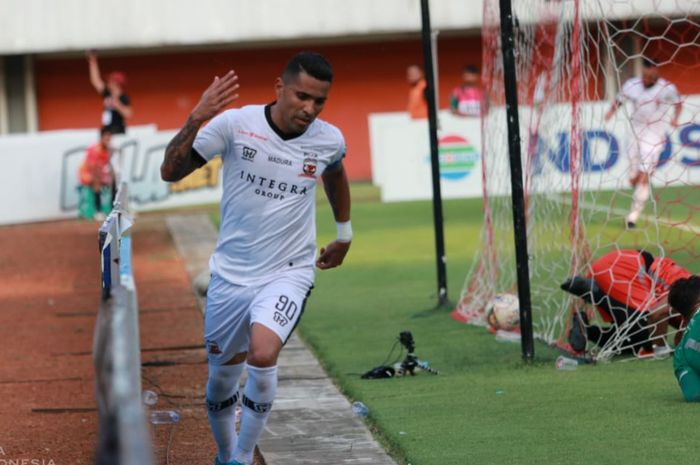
x,y
652,99
263,266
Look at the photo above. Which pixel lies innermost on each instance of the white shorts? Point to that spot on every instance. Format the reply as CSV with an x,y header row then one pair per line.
x,y
644,150
231,310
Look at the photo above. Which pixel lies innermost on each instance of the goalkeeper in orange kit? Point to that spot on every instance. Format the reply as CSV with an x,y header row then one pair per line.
x,y
628,287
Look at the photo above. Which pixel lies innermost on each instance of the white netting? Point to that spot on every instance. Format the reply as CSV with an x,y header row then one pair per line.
x,y
573,58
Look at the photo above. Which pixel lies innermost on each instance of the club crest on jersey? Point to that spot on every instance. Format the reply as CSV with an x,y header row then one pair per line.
x,y
248,153
309,167
213,347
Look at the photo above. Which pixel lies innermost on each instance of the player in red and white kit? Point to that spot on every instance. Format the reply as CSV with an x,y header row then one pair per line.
x,y
656,106
263,265
623,284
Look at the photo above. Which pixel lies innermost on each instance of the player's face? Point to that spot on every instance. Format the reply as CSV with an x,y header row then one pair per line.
x,y
300,101
650,76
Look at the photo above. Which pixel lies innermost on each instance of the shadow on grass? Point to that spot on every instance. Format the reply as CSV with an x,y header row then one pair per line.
x,y
439,309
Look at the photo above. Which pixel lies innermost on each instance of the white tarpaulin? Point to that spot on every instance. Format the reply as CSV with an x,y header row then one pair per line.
x,y
401,162
40,176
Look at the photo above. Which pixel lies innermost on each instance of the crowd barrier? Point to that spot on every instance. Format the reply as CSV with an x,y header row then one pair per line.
x,y
124,435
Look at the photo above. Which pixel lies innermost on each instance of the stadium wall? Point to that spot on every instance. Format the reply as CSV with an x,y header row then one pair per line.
x,y
41,26
163,87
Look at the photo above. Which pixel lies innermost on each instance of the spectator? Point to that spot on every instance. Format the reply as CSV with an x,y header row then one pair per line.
x,y
95,177
468,97
417,102
116,104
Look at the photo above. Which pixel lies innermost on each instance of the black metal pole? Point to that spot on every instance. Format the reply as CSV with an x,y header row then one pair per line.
x,y
434,160
516,179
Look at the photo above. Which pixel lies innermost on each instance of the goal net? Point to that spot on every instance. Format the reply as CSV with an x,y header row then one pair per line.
x,y
573,60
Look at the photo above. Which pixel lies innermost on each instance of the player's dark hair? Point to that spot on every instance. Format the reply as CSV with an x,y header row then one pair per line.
x,y
105,130
684,296
471,69
311,63
648,63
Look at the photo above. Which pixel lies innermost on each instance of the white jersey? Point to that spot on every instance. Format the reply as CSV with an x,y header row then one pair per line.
x,y
268,206
652,108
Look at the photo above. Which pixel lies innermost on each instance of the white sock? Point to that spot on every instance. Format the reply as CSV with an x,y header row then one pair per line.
x,y
639,199
258,394
222,390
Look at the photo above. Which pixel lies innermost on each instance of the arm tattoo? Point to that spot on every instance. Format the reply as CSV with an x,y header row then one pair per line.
x,y
178,159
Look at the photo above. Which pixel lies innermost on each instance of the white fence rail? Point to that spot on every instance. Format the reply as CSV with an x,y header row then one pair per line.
x,y
124,437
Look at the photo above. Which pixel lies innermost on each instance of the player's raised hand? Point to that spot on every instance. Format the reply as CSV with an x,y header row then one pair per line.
x,y
332,255
220,94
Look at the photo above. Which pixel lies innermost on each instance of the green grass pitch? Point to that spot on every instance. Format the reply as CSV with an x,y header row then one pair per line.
x,y
485,406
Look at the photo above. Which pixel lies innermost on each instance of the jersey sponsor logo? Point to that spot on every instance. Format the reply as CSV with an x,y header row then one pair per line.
x,y
248,153
310,165
251,134
279,160
272,188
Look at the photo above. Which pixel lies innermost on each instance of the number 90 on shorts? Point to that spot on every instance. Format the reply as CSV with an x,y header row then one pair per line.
x,y
286,310
232,309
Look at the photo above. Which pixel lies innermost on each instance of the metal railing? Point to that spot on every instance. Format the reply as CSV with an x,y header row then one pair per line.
x,y
124,436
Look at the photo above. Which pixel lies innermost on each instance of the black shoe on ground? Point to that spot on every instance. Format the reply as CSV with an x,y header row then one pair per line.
x,y
630,225
577,334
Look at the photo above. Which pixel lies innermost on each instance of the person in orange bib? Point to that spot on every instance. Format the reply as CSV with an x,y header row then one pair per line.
x,y
95,173
417,102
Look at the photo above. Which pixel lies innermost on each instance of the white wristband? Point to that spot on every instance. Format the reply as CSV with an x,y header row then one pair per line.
x,y
344,233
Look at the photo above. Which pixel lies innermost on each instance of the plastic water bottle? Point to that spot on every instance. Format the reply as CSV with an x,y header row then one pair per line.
x,y
158,417
661,352
566,363
507,336
359,409
150,398
164,417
